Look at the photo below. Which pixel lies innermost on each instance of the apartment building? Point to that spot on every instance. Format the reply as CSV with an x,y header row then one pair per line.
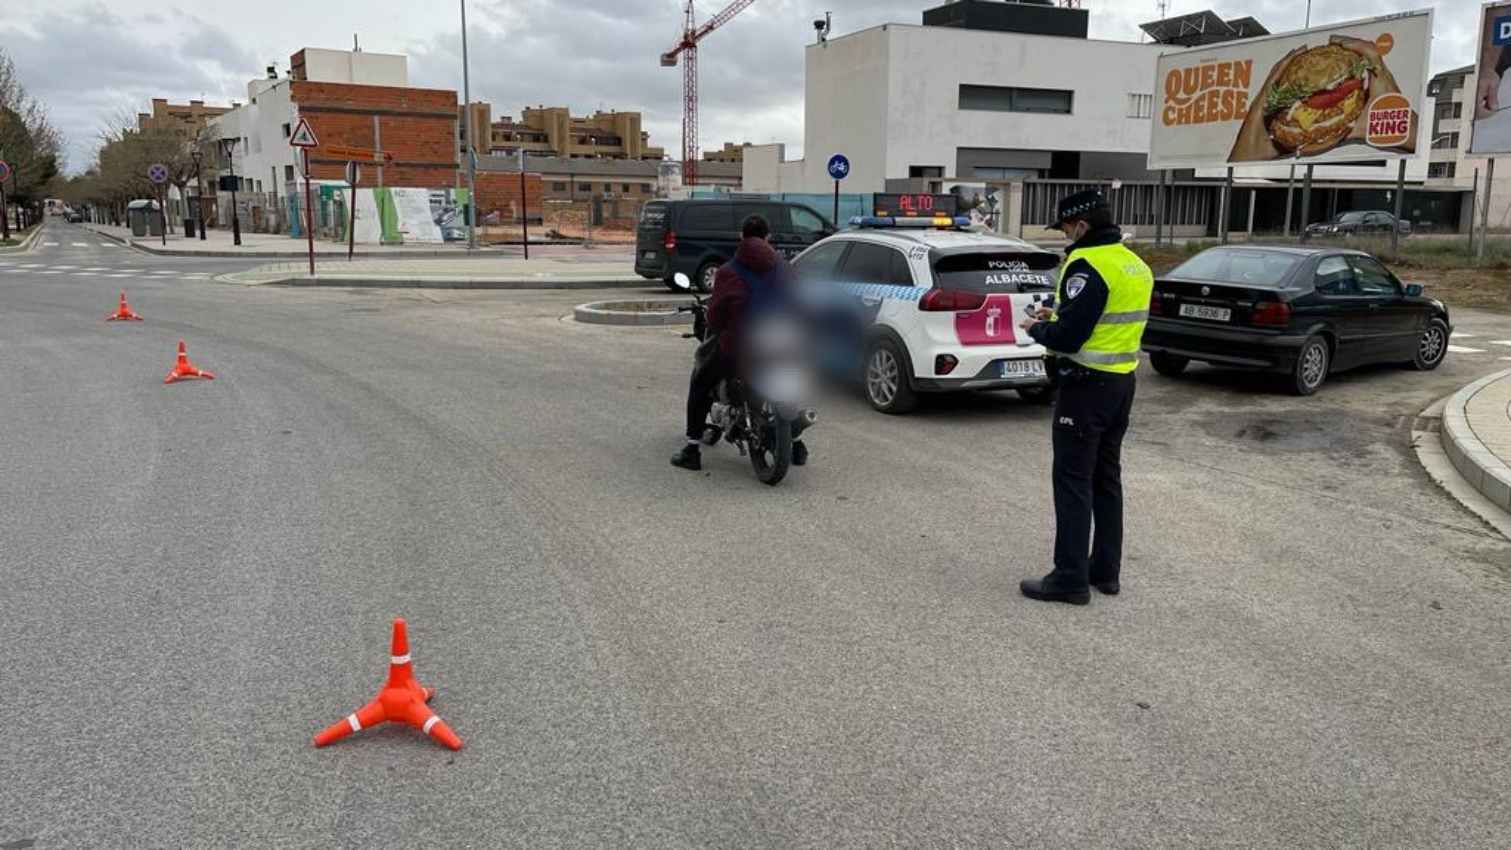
x,y
554,131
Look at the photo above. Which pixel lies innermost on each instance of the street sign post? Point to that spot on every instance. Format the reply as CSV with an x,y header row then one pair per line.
x,y
158,174
839,169
524,207
303,138
353,174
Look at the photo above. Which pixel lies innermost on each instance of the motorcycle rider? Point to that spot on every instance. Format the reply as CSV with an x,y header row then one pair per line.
x,y
756,274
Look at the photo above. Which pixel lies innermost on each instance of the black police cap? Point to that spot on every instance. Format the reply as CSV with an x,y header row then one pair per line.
x,y
1078,205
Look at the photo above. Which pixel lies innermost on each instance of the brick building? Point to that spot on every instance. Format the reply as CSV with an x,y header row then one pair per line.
x,y
350,98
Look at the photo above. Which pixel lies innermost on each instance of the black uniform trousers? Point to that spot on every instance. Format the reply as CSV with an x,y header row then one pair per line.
x,y
1090,419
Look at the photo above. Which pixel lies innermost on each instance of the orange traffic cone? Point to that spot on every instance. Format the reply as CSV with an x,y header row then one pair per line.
x,y
184,369
123,312
402,700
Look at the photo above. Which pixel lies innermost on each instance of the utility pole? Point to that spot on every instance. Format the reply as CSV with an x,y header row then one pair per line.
x,y
471,141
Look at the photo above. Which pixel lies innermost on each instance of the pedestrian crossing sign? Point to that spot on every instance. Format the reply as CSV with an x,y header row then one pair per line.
x,y
303,136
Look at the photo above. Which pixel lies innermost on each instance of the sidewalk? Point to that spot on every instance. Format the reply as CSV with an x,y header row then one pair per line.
x,y
493,272
219,243
1476,436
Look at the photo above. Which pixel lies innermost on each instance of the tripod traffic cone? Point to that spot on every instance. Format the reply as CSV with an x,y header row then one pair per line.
x,y
123,312
402,700
184,369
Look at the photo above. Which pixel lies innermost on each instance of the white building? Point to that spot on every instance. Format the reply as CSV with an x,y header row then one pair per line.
x,y
904,101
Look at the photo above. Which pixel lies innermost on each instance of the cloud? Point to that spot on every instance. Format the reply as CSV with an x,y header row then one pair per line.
x,y
90,66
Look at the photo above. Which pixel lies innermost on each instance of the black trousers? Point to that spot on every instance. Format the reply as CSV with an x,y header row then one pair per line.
x,y
708,370
1090,419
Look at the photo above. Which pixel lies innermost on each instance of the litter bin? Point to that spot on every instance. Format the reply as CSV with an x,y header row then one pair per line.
x,y
144,218
189,228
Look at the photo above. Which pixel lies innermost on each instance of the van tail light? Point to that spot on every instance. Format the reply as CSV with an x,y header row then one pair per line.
x,y
670,242
1271,314
1157,304
951,300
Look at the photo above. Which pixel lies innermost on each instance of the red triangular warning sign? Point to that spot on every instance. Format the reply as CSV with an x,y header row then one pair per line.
x,y
303,136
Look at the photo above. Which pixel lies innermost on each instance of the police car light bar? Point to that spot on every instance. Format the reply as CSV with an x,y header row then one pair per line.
x,y
877,221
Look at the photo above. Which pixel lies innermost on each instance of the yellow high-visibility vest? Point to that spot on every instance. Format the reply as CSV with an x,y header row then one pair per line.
x,y
1114,343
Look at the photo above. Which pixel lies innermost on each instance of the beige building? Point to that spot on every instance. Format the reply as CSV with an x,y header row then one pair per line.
x,y
184,119
730,153
554,131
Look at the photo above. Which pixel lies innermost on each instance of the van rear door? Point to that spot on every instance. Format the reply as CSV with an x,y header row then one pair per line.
x,y
651,241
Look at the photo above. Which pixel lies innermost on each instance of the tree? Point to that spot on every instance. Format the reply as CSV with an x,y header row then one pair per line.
x,y
28,141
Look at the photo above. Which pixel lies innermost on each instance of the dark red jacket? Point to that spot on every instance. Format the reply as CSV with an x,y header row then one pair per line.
x,y
731,298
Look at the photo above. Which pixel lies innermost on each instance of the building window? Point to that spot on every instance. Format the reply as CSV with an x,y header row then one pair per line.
x,y
925,171
1447,141
287,131
584,187
1444,170
558,187
288,172
1013,99
1140,105
626,187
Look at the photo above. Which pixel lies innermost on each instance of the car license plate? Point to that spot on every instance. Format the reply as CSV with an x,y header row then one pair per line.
x,y
1023,368
649,255
1201,311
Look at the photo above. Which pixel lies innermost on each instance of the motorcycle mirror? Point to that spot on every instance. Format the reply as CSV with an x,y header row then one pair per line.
x,y
682,281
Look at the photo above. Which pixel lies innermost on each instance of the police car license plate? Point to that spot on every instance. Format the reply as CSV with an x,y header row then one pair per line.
x,y
1023,368
1201,311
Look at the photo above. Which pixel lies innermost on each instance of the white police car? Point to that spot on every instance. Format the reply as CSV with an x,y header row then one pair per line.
x,y
931,307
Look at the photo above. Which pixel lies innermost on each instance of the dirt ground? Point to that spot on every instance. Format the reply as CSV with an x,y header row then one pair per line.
x,y
1480,288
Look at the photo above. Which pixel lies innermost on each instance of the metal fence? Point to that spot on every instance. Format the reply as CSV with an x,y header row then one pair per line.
x,y
1133,203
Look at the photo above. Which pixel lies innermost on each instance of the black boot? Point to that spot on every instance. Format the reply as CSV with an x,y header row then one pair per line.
x,y
689,458
1034,588
799,454
1111,588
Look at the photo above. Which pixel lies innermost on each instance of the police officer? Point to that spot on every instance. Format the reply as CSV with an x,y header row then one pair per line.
x,y
1101,306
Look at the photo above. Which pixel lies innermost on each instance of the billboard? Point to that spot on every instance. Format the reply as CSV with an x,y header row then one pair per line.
x,y
1339,93
1492,88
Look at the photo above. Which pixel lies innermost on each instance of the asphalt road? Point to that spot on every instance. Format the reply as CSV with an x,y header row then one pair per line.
x,y
1310,650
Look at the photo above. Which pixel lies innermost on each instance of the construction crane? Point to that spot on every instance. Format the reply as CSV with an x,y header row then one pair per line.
x,y
687,49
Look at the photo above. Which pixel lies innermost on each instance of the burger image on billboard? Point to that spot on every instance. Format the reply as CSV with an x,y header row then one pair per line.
x,y
1318,98
1323,99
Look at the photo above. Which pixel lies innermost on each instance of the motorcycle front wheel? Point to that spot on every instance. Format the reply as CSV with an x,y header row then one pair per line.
x,y
772,455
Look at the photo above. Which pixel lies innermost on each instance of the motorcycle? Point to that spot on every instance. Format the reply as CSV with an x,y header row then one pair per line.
x,y
761,413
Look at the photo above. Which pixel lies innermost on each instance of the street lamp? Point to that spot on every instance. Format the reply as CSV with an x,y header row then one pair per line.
x,y
471,140
228,150
199,188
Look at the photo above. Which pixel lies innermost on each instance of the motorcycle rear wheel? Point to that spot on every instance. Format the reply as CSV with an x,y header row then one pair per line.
x,y
772,456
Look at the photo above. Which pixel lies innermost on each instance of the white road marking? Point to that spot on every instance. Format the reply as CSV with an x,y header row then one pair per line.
x,y
49,244
1457,335
1500,342
108,245
1459,349
49,272
97,269
79,244
117,275
164,271
65,267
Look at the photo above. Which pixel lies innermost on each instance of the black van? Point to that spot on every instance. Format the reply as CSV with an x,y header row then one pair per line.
x,y
696,237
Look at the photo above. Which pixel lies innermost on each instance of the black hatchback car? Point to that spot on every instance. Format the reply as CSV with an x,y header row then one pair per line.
x,y
1302,312
696,237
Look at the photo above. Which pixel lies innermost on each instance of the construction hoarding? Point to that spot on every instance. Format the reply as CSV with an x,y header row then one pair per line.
x,y
1339,93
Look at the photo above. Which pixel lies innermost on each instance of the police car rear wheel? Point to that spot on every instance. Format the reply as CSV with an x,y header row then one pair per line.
x,y
888,386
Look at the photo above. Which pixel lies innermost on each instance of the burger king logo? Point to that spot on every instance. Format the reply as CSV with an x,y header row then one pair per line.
x,y
1389,121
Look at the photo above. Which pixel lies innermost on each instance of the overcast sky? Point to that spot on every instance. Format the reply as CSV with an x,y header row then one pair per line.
x,y
90,60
